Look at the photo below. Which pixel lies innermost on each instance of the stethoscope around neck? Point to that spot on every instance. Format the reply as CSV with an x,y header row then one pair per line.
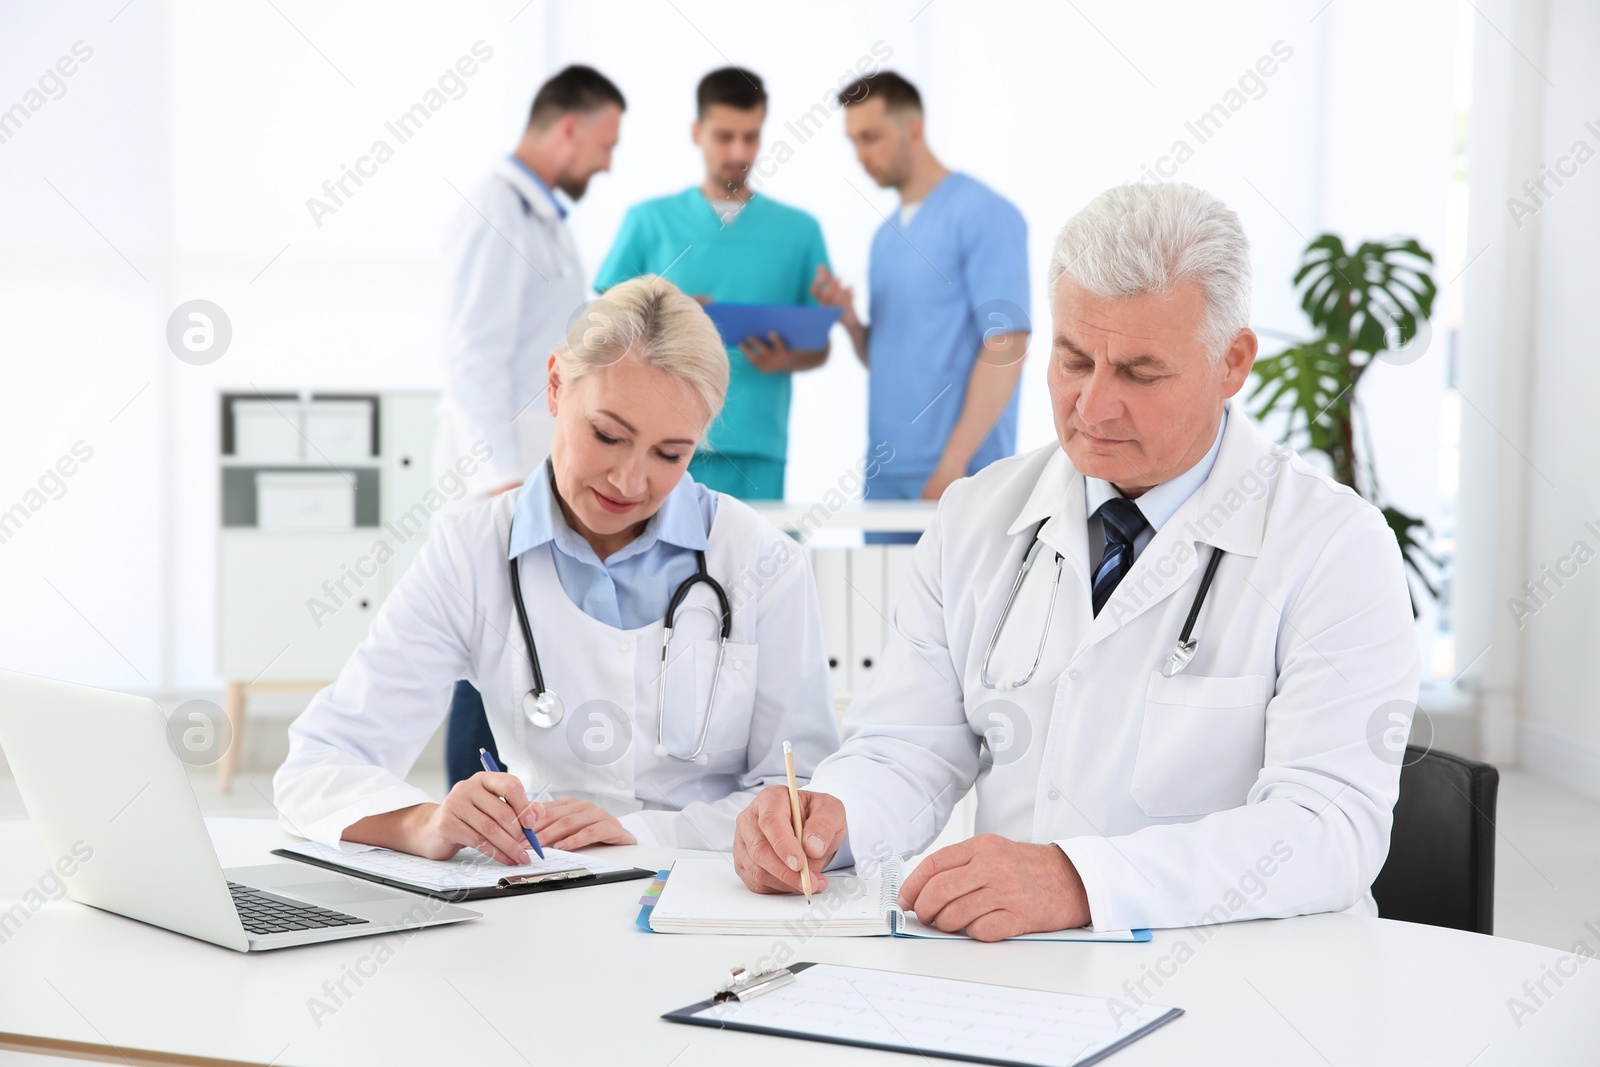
x,y
544,709
1177,659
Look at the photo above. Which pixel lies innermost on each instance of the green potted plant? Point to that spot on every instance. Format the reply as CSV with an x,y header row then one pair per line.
x,y
1369,305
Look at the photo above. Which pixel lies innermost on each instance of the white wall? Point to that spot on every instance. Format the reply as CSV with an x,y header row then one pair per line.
x,y
1531,368
194,135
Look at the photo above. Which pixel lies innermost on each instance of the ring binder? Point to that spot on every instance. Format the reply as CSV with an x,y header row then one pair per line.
x,y
744,985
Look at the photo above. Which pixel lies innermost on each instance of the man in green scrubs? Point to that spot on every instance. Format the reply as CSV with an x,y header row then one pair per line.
x,y
722,241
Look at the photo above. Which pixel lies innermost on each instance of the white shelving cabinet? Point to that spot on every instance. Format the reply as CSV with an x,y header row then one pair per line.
x,y
292,604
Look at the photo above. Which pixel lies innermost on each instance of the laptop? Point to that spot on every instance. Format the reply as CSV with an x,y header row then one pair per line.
x,y
111,802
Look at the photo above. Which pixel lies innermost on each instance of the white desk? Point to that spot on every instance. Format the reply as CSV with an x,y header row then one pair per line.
x,y
565,978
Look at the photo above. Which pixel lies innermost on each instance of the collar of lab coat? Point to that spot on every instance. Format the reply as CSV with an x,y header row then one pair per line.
x,y
1228,510
533,192
538,519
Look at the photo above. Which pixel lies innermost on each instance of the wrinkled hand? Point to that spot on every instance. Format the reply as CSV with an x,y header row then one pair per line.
x,y
569,823
994,888
765,853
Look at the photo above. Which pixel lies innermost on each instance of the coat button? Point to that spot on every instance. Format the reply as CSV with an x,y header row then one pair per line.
x,y
1055,794
622,646
622,783
1074,675
738,664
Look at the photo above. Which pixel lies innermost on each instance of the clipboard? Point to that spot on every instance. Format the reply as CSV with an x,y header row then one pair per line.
x,y
1065,1029
507,887
802,326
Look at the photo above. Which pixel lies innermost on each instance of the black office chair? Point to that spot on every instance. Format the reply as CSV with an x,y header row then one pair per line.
x,y
1440,869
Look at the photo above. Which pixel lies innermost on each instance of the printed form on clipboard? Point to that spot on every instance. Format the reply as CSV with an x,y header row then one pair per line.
x,y
468,875
703,895
932,1017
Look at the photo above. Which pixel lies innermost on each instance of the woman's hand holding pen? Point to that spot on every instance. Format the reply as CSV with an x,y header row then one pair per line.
x,y
473,815
569,823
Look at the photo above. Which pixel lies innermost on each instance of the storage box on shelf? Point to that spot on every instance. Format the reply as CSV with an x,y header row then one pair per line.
x,y
323,508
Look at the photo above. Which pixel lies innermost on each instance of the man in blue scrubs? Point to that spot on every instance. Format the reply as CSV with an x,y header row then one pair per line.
x,y
948,325
720,240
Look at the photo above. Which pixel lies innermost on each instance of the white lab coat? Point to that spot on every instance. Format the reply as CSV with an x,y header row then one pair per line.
x,y
515,284
451,616
1258,782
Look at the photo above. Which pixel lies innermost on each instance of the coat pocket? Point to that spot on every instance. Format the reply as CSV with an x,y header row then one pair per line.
x,y
1202,743
728,728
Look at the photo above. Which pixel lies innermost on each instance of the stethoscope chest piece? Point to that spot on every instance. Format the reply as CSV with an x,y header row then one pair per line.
x,y
1184,650
1182,653
543,710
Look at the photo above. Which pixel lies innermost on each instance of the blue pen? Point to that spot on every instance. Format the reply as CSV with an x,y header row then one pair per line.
x,y
486,758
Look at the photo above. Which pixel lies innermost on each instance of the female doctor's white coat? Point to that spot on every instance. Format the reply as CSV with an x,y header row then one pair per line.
x,y
451,616
1258,782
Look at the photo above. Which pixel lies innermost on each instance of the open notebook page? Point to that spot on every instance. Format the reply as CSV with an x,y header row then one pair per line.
x,y
467,869
704,895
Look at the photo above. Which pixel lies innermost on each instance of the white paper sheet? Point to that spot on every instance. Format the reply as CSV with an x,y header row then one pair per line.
x,y
704,895
854,1005
467,869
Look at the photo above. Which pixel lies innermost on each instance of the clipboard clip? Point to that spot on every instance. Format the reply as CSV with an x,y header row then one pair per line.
x,y
546,876
743,985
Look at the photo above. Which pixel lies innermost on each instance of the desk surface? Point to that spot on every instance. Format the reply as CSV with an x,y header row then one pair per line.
x,y
566,978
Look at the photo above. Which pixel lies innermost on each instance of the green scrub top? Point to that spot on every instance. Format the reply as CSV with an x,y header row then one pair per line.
x,y
768,255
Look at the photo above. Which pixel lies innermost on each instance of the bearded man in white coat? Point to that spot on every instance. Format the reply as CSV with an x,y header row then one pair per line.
x,y
1253,781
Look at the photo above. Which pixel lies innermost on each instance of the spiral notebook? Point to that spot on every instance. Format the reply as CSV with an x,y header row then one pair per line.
x,y
703,895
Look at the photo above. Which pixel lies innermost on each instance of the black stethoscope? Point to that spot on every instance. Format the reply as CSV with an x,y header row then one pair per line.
x,y
543,708
1179,658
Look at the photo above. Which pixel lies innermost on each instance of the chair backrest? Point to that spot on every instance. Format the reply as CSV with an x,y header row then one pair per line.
x,y
1440,869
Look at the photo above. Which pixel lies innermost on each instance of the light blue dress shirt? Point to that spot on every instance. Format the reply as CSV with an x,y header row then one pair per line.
x,y
1157,504
561,209
631,587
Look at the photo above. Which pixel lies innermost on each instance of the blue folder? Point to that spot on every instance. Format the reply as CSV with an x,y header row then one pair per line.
x,y
802,327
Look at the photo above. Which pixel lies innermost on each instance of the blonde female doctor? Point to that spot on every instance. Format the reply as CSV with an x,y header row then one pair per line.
x,y
610,733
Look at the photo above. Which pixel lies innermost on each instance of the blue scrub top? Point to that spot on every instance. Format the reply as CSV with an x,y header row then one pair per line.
x,y
959,270
768,254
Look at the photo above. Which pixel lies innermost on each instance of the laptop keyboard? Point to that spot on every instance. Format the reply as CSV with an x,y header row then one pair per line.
x,y
263,914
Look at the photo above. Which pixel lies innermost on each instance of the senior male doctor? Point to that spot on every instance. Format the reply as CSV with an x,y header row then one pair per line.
x,y
1250,783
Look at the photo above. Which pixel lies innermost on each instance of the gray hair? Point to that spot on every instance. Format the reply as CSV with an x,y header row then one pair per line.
x,y
1147,238
651,320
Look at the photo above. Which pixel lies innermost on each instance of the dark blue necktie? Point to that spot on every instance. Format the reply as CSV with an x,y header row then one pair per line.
x,y
1122,522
